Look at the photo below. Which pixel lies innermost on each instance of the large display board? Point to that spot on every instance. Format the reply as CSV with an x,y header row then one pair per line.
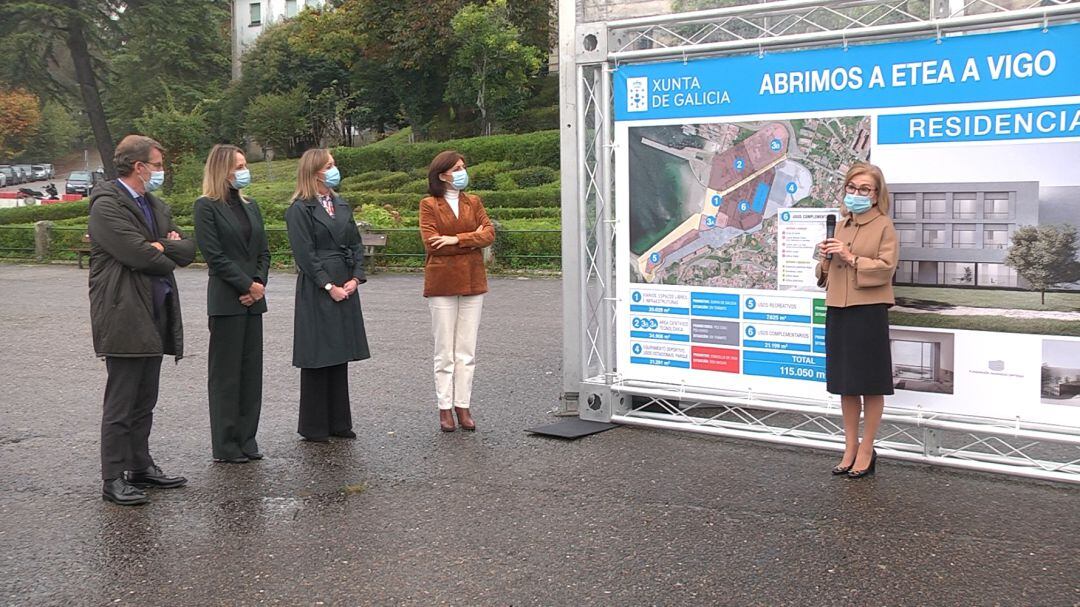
x,y
727,167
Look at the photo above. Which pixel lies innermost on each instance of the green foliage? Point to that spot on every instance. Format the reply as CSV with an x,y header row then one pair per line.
x,y
377,216
1044,256
490,69
185,134
504,214
16,241
275,120
485,175
55,137
532,149
526,178
45,212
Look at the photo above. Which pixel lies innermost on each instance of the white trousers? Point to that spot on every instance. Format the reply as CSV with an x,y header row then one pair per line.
x,y
455,321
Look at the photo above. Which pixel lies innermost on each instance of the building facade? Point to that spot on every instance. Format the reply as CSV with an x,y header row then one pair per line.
x,y
251,17
957,234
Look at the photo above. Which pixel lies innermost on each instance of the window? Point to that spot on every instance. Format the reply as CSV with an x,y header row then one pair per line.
x,y
915,359
965,206
964,236
290,8
908,235
905,206
959,274
934,206
995,236
996,205
904,273
256,13
934,236
996,275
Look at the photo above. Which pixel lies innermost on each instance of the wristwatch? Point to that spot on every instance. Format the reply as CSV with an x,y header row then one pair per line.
x,y
328,286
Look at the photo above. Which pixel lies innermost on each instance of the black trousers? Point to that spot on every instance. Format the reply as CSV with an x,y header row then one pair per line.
x,y
234,384
324,401
128,413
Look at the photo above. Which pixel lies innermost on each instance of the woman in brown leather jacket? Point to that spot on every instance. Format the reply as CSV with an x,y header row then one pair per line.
x,y
856,268
454,227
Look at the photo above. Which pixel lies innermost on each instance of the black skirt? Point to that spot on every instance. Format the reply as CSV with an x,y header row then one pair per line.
x,y
858,359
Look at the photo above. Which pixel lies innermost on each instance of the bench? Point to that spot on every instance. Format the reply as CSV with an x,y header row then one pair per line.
x,y
372,243
83,250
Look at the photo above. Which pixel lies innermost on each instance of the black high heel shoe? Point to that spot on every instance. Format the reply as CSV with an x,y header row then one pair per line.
x,y
838,470
869,469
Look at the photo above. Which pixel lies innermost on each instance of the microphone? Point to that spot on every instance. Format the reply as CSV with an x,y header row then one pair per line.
x,y
830,230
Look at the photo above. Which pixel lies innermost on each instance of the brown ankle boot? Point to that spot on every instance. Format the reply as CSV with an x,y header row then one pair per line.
x,y
446,420
464,418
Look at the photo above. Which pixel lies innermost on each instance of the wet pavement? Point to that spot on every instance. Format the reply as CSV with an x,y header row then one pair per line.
x,y
408,515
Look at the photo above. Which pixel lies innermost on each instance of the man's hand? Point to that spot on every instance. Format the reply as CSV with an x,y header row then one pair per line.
x,y
338,294
257,291
439,242
247,300
351,285
174,236
157,245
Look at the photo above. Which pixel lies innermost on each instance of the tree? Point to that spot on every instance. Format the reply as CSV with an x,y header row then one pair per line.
x,y
275,120
490,68
55,137
84,28
185,135
20,118
1044,256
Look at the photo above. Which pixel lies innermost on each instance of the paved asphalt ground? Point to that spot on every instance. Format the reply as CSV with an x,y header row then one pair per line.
x,y
408,515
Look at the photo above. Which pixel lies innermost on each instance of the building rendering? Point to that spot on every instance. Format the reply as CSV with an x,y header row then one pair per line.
x,y
957,234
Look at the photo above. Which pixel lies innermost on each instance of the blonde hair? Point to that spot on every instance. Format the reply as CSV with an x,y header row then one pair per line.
x,y
865,168
220,163
307,173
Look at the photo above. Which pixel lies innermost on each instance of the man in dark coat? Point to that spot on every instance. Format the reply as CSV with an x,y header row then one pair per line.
x,y
134,313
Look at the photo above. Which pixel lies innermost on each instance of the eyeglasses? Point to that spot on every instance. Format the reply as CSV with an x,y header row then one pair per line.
x,y
156,165
862,190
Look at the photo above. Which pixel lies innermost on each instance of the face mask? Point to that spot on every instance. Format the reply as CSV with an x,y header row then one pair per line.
x,y
332,177
857,204
157,179
460,179
242,179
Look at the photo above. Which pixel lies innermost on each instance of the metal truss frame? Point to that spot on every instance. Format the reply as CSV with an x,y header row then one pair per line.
x,y
592,385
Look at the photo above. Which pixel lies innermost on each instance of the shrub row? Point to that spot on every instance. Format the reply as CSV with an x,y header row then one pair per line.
x,y
45,212
530,149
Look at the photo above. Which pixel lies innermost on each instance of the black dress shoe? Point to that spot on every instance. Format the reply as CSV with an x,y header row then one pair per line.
x,y
345,434
240,459
154,477
853,473
254,456
119,491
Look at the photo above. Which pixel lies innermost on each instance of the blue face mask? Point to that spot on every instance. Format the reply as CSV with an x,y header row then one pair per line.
x,y
461,179
857,204
332,178
241,179
157,179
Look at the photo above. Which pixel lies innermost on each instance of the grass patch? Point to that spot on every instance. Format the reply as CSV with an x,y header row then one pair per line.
x,y
992,298
1035,326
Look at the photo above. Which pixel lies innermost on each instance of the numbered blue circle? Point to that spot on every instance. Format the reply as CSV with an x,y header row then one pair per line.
x,y
637,323
751,331
655,258
775,145
785,216
744,206
653,323
636,296
751,303
637,348
716,200
740,164
710,221
792,187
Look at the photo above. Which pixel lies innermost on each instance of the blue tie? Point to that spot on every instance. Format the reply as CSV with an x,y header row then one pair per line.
x,y
148,214
162,288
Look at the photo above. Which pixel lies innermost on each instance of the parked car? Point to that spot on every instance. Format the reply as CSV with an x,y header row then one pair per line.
x,y
79,182
38,172
20,175
28,171
49,169
3,179
10,176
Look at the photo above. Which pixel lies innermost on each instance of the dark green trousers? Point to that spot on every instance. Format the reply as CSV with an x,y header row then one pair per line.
x,y
234,383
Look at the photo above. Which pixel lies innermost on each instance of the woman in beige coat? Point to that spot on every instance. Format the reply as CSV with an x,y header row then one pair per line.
x,y
856,268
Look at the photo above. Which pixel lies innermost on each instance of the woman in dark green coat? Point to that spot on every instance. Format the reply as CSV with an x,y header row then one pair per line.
x,y
230,234
328,328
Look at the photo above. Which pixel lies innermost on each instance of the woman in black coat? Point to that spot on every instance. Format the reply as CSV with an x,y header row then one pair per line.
x,y
230,234
328,330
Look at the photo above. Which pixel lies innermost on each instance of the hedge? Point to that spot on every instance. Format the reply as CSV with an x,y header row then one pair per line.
x,y
45,212
530,149
530,177
542,196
